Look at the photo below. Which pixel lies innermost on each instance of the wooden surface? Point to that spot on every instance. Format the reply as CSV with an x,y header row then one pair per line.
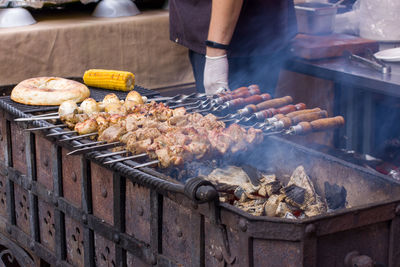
x,y
327,46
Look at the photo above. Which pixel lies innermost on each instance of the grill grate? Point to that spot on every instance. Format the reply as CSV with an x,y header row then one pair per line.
x,y
96,93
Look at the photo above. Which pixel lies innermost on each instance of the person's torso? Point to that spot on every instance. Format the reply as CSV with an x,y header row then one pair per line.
x,y
264,26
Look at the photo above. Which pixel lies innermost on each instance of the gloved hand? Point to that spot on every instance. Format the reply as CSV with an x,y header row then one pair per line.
x,y
216,75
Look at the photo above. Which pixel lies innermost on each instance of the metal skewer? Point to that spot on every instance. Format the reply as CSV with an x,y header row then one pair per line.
x,y
147,164
78,137
94,148
38,118
112,154
62,133
45,115
90,144
45,127
126,158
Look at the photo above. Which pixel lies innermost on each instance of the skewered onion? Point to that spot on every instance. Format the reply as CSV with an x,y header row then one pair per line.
x,y
89,106
67,107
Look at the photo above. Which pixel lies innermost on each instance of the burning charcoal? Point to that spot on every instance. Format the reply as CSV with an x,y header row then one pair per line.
x,y
282,209
254,175
262,191
272,204
301,179
273,187
269,185
240,194
228,178
226,197
315,209
265,179
289,215
254,207
335,196
312,205
295,195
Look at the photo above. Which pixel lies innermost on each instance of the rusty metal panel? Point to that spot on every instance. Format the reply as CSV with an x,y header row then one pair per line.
x,y
72,178
214,248
276,253
44,159
46,225
102,193
75,242
133,261
180,234
104,252
372,240
3,133
137,215
3,197
22,208
18,144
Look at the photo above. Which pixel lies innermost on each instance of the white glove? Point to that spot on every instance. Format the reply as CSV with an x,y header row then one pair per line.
x,y
216,75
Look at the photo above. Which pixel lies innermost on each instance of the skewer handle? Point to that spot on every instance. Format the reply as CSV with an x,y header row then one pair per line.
x,y
303,111
268,113
240,92
241,102
273,103
318,125
310,116
275,118
290,108
252,88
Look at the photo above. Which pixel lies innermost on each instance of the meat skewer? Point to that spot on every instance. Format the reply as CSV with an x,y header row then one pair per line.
x,y
251,108
277,117
231,104
88,126
316,125
264,114
241,92
306,127
286,122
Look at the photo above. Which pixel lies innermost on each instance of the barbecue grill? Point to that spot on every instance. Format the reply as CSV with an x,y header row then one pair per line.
x,y
74,210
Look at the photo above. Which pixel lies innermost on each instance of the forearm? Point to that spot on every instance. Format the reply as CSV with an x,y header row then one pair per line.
x,y
224,16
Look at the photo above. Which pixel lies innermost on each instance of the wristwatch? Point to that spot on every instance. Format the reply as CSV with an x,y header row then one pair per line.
x,y
216,45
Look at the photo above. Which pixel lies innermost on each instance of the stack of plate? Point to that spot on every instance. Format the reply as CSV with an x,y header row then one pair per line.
x,y
390,55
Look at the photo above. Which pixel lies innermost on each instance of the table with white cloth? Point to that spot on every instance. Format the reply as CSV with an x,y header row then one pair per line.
x,y
66,45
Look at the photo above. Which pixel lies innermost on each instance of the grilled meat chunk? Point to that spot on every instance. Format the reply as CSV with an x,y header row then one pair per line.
x,y
112,134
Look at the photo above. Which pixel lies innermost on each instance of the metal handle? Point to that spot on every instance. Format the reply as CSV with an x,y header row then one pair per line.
x,y
305,8
354,259
200,190
372,64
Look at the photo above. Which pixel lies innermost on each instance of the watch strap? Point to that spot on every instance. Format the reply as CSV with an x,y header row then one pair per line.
x,y
216,45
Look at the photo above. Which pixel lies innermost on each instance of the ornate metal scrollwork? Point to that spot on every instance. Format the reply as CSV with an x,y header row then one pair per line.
x,y
10,258
14,254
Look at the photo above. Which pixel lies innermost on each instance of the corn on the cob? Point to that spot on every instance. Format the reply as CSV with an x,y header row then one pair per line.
x,y
110,79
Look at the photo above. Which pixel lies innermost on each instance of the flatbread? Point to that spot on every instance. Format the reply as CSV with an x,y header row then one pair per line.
x,y
49,91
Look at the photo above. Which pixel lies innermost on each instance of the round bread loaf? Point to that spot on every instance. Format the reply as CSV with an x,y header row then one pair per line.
x,y
49,91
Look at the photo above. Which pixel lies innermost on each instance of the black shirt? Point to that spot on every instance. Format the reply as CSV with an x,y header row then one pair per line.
x,y
264,26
